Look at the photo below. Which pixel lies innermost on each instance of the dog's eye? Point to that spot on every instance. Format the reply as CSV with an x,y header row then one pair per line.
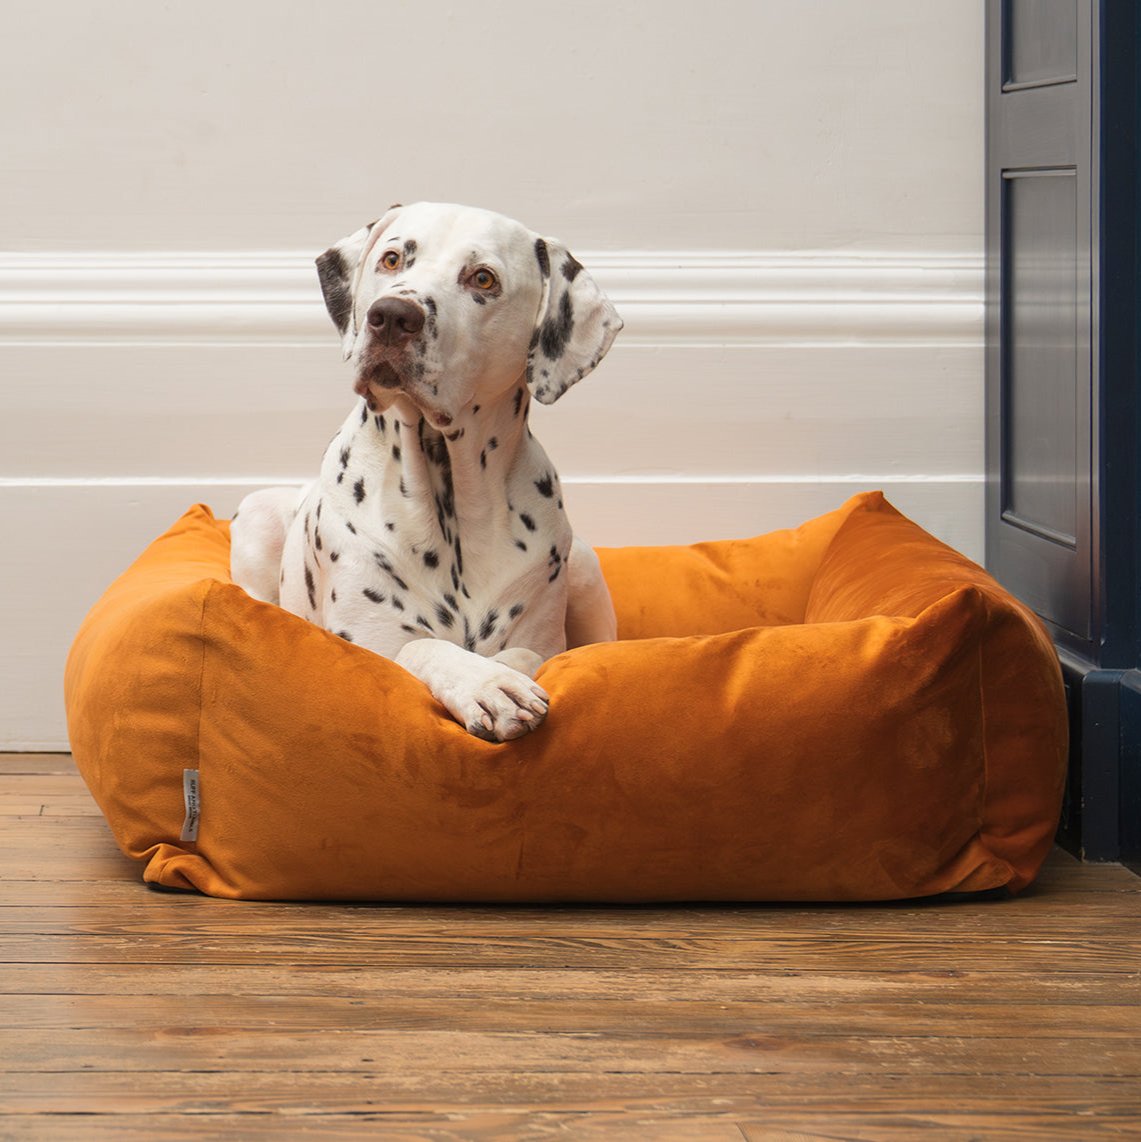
x,y
483,279
390,259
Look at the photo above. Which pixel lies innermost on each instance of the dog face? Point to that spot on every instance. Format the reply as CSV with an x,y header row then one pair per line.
x,y
450,305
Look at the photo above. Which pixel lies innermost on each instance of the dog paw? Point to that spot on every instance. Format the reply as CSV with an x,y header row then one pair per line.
x,y
490,698
504,705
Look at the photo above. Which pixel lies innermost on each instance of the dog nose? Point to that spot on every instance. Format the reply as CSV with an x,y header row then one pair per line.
x,y
394,320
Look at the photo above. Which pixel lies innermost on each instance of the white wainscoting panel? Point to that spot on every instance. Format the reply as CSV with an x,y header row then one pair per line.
x,y
749,391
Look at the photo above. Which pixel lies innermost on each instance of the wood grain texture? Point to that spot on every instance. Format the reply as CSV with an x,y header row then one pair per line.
x,y
127,1014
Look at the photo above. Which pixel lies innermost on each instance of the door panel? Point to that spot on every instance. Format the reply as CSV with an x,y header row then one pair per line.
x,y
1041,305
1040,40
1039,283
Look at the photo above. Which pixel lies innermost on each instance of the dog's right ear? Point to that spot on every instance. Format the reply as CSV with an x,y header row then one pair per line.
x,y
338,270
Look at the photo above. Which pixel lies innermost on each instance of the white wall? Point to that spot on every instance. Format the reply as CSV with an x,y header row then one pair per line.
x,y
784,200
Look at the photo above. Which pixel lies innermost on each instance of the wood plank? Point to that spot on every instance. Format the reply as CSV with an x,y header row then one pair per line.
x,y
37,763
1061,1108
152,914
816,984
591,1014
744,1049
450,1126
41,783
866,953
48,805
295,1091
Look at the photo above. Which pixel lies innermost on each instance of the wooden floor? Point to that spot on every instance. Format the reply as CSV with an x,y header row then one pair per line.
x,y
128,1014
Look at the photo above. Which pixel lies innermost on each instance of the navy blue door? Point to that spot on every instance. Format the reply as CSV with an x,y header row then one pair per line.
x,y
1062,373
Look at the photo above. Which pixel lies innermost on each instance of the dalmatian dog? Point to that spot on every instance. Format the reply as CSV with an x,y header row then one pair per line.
x,y
435,533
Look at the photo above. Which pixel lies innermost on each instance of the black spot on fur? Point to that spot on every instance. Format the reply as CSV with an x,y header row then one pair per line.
x,y
487,629
516,611
545,486
358,490
571,268
437,451
410,254
373,596
543,257
385,565
345,635
310,587
349,525
396,453
334,556
451,601
557,329
431,559
345,454
528,522
423,622
521,545
555,561
398,581
333,272
444,616
518,399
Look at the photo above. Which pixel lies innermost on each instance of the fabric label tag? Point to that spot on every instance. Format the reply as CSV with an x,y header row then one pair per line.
x,y
193,805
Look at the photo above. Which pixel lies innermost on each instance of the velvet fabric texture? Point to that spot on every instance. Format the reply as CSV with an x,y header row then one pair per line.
x,y
848,710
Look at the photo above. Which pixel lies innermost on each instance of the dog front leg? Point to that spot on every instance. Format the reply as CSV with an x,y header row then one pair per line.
x,y
590,610
257,537
487,696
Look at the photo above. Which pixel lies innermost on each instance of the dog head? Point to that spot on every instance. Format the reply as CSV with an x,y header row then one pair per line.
x,y
448,305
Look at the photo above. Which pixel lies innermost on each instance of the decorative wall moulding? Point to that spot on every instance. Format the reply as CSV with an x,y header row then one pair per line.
x,y
667,298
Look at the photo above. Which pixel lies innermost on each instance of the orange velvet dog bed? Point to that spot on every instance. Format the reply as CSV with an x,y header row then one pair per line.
x,y
845,711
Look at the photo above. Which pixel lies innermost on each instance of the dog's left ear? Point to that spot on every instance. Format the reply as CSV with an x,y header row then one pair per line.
x,y
338,270
576,325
